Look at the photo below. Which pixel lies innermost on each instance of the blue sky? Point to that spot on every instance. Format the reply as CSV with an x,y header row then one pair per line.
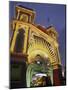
x,y
46,15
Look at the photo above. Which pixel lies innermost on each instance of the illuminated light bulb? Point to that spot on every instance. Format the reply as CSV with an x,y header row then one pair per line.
x,y
17,32
56,44
46,56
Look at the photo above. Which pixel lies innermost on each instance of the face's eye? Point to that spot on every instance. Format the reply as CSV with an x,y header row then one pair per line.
x,y
38,62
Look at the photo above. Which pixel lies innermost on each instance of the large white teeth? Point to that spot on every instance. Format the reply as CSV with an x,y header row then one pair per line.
x,y
40,75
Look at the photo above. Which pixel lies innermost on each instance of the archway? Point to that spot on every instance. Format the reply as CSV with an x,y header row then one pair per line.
x,y
39,71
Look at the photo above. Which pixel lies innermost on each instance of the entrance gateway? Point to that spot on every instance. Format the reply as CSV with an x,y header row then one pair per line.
x,y
35,48
38,72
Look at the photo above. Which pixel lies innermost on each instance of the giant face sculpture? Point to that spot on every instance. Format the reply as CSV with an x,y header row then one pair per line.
x,y
38,72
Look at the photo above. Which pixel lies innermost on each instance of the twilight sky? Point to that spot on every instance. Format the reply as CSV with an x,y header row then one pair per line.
x,y
46,15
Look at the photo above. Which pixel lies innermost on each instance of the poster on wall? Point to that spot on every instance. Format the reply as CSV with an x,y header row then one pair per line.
x,y
37,44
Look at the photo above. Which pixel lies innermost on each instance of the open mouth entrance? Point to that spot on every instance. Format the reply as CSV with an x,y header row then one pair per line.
x,y
40,79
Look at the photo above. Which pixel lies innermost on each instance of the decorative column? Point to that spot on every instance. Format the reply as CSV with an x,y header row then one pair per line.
x,y
57,76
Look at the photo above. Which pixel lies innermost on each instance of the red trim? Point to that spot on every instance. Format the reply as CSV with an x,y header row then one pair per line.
x,y
18,57
18,54
42,28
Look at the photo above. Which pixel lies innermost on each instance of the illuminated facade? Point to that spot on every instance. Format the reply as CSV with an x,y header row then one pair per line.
x,y
38,47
